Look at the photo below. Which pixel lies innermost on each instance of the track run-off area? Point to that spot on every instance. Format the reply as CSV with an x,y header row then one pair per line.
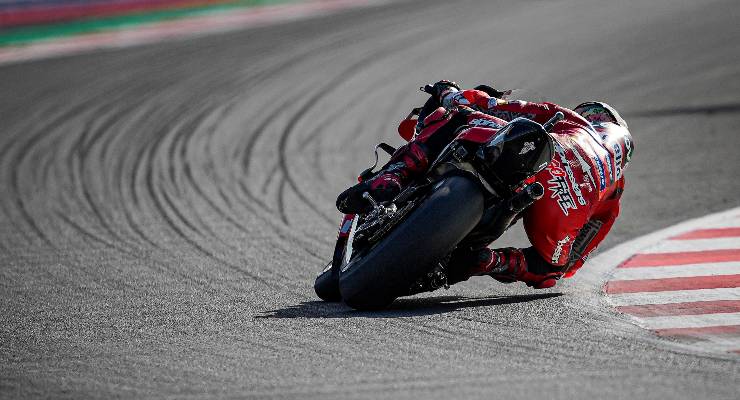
x,y
165,207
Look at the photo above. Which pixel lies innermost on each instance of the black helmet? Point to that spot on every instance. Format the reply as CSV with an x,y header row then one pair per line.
x,y
520,149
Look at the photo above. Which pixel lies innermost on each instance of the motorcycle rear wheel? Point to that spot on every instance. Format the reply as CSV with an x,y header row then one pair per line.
x,y
372,281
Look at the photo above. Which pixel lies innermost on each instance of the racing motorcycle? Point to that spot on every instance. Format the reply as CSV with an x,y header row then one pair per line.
x,y
471,193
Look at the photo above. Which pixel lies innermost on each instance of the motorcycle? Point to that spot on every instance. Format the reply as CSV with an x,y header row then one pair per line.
x,y
470,195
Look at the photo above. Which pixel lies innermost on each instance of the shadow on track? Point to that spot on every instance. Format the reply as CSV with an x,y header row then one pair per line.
x,y
405,307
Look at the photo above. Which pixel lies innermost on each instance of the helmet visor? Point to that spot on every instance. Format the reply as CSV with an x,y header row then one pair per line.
x,y
596,114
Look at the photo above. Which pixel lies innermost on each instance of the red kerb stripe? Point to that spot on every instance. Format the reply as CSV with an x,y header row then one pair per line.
x,y
65,12
668,284
681,258
709,234
692,308
707,330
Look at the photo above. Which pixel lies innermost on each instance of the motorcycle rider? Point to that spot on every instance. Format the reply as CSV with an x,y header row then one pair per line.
x,y
583,183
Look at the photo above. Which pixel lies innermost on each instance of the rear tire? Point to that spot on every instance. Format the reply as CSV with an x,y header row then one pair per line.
x,y
372,281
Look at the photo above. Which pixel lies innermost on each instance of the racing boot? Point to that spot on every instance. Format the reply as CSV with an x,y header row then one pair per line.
x,y
504,265
407,162
509,265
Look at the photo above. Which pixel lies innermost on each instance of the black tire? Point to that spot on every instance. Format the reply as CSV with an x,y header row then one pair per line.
x,y
326,285
374,280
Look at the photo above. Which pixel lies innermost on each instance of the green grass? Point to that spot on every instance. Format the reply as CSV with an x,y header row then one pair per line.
x,y
29,34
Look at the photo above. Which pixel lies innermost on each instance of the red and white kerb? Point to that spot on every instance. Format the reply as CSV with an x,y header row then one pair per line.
x,y
686,287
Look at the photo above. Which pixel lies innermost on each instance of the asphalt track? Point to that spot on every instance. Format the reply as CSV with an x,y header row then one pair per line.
x,y
165,208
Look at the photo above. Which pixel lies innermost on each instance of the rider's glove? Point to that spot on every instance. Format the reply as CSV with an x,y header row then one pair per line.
x,y
473,98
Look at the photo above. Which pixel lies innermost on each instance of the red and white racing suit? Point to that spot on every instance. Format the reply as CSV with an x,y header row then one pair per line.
x,y
583,183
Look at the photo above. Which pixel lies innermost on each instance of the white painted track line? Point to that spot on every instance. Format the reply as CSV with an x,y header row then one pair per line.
x,y
726,268
670,246
678,296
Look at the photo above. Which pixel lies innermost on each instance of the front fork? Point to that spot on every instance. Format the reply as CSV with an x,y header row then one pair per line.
x,y
345,226
344,230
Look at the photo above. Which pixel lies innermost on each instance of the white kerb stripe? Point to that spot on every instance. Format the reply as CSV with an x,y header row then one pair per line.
x,y
670,246
676,296
690,321
678,271
730,219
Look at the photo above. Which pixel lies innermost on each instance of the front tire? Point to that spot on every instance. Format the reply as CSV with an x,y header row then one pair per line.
x,y
373,280
326,284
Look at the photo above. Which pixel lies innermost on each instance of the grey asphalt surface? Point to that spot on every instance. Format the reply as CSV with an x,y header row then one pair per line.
x,y
165,208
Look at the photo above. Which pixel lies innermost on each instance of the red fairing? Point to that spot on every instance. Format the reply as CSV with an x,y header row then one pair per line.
x,y
435,120
477,134
407,128
482,127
